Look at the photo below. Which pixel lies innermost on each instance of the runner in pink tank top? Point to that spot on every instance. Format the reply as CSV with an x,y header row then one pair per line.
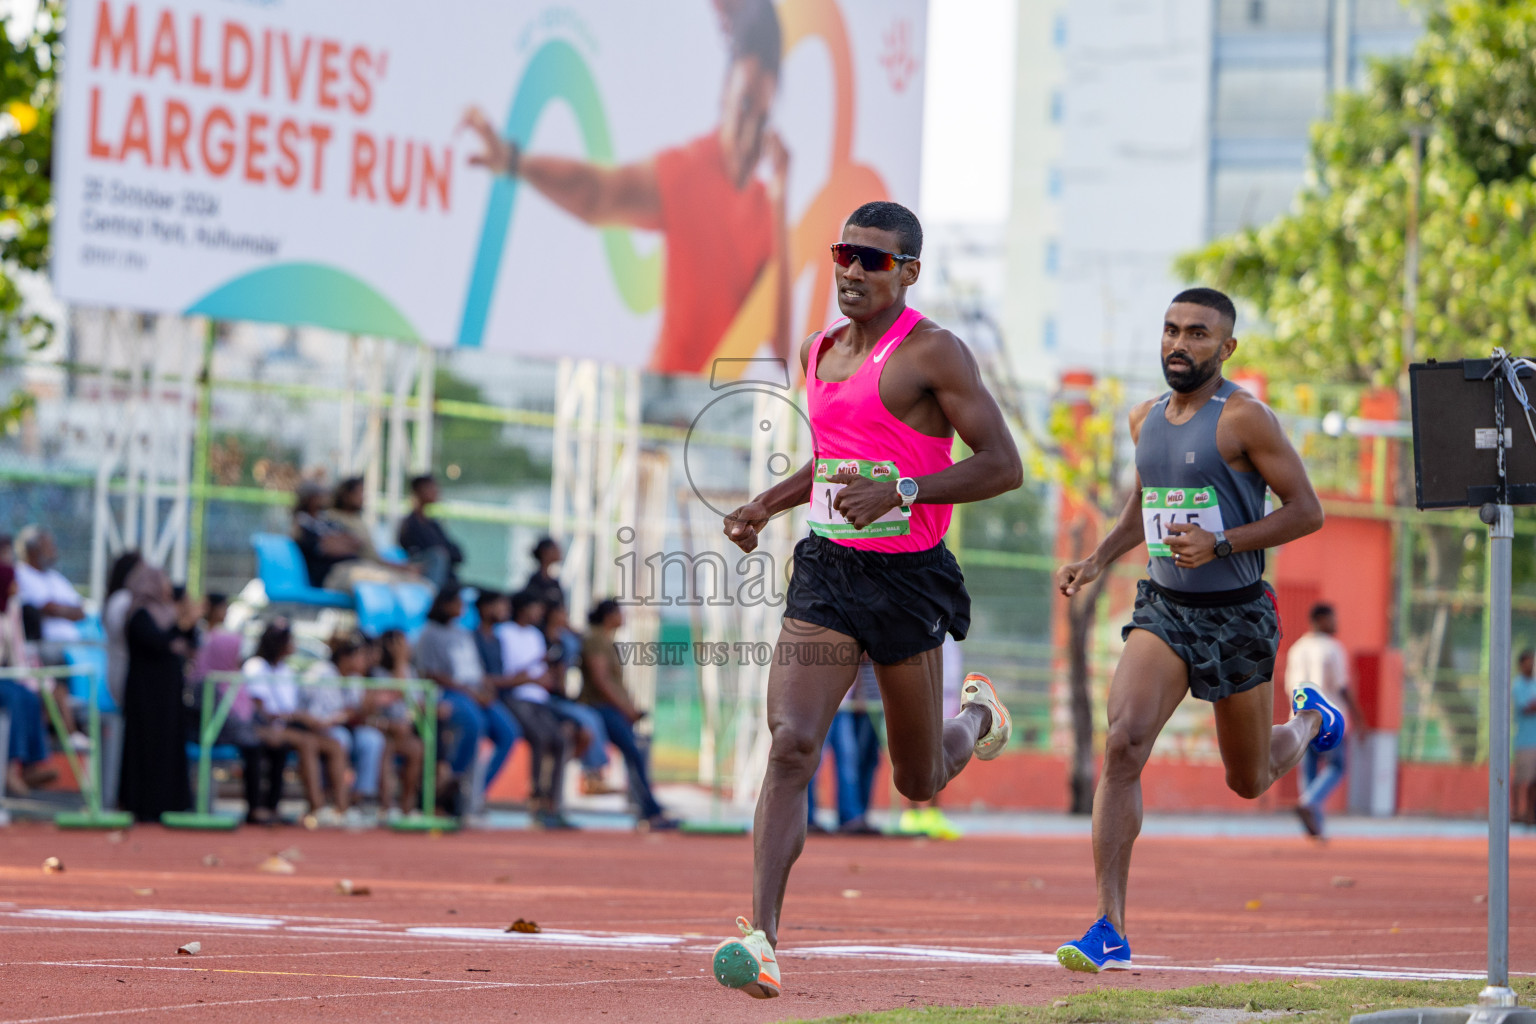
x,y
888,391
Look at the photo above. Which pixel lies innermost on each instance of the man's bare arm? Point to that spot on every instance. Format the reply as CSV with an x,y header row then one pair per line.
x,y
1266,446
994,466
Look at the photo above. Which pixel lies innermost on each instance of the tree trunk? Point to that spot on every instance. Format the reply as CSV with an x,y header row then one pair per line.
x,y
1082,613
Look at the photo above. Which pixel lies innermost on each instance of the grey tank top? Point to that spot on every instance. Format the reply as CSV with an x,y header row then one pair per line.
x,y
1184,479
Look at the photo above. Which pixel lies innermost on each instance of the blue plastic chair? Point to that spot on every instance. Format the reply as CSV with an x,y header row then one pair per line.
x,y
470,620
220,752
412,602
377,609
280,565
90,656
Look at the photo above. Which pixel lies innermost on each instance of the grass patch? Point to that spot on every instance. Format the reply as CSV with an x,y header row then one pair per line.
x,y
1321,1001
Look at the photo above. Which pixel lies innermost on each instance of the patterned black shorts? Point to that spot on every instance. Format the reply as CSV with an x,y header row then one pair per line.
x,y
1228,648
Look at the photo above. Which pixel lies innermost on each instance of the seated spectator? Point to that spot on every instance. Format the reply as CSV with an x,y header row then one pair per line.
x,y
283,725
544,584
602,688
337,708
57,608
26,758
517,669
160,638
447,655
44,588
389,712
346,516
564,656
431,551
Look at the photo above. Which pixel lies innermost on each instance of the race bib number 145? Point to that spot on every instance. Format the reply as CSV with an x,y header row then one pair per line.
x,y
826,521
1161,507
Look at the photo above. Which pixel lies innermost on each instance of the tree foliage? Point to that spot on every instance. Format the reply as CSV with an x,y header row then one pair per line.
x,y
28,98
1328,277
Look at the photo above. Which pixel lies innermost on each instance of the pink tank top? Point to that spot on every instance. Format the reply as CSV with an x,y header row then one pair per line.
x,y
850,421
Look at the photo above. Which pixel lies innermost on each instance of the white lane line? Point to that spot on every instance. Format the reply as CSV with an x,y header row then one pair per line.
x,y
623,940
461,982
924,953
164,917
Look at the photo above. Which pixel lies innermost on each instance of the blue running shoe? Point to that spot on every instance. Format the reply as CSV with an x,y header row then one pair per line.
x,y
1102,949
1332,733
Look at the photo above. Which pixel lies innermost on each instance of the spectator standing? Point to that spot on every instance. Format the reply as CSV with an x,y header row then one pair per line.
x,y
114,622
447,655
1317,659
26,759
544,584
282,725
160,638
431,551
1525,738
855,745
523,687
602,688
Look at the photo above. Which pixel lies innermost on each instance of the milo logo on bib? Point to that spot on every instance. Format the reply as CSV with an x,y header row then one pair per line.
x,y
1162,507
824,518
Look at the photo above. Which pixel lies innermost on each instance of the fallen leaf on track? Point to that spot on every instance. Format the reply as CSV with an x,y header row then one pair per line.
x,y
1252,905
52,866
346,888
190,949
276,866
211,861
1343,882
143,892
527,927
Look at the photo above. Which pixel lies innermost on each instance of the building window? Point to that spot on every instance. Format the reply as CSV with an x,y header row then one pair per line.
x,y
1255,12
1053,182
1056,106
1052,256
1048,334
1059,31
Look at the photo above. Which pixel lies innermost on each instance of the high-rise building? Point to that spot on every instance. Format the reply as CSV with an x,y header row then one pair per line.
x,y
1143,130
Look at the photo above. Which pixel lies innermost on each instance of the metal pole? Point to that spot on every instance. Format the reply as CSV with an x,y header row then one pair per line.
x,y
1501,533
198,541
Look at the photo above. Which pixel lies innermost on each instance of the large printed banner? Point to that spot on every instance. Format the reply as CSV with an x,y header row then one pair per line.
x,y
666,198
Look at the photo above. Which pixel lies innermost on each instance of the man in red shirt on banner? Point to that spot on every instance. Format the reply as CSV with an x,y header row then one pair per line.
x,y
723,226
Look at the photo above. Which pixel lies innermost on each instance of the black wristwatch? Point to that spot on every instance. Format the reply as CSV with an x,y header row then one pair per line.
x,y
1223,546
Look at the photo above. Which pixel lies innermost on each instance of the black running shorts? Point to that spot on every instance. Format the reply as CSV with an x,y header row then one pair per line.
x,y
1229,647
894,605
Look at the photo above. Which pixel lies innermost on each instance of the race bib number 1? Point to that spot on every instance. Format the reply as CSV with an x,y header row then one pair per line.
x,y
1163,506
826,521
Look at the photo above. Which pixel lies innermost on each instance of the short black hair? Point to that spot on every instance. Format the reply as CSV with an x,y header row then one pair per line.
x,y
350,484
274,641
542,545
117,577
522,599
439,611
892,217
1527,653
1210,298
344,647
418,482
216,599
1320,610
605,608
486,599
754,30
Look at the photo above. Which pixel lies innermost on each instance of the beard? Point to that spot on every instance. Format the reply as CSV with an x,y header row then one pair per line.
x,y
1186,378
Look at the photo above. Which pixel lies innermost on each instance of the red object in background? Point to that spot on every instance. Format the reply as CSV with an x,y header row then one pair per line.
x,y
1379,688
1254,382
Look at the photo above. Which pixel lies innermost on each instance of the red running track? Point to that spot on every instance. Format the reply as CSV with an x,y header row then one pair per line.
x,y
629,922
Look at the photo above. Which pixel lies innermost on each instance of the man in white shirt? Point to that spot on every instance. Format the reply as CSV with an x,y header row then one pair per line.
x,y
43,587
523,648
1320,661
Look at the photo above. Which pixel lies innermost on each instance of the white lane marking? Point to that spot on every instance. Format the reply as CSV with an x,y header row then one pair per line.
x,y
176,917
924,953
621,940
461,982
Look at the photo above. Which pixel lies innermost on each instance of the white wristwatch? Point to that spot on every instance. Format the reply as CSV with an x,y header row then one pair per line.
x,y
906,488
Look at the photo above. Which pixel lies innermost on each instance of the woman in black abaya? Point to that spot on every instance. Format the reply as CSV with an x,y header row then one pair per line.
x,y
154,777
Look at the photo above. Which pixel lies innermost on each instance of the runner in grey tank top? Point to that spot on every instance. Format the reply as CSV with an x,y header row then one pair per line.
x,y
1184,479
1205,623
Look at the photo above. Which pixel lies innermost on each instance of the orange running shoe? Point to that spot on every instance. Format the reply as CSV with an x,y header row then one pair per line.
x,y
748,963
